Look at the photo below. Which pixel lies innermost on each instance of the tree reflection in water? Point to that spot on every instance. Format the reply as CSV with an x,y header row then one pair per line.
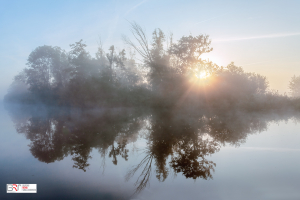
x,y
175,140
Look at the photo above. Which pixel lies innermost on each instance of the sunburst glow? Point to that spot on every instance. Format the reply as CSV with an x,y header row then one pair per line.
x,y
202,75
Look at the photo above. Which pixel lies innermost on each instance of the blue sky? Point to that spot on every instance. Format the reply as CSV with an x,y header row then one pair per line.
x,y
260,36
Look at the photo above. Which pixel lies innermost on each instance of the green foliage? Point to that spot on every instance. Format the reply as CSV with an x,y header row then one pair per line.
x,y
105,101
46,68
166,77
187,52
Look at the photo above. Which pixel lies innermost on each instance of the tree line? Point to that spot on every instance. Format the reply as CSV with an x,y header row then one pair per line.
x,y
67,103
163,74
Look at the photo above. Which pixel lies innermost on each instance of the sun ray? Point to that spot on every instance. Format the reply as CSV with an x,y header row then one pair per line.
x,y
202,75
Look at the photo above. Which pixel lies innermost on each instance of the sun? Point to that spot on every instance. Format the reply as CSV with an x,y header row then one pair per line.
x,y
202,75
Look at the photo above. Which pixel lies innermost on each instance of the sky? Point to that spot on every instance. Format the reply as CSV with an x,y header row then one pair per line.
x,y
260,36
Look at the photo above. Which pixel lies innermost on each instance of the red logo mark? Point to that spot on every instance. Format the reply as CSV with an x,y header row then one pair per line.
x,y
15,186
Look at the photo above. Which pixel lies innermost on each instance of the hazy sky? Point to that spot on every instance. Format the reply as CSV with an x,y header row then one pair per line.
x,y
261,36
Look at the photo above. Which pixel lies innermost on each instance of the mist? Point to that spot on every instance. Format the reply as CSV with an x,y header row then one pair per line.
x,y
158,72
186,107
150,99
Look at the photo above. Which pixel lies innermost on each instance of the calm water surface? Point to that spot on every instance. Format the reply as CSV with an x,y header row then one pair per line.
x,y
139,153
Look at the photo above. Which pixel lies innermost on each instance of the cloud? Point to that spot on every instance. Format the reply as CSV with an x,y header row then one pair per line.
x,y
258,37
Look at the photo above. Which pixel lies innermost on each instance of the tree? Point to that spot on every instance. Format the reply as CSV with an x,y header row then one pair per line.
x,y
188,50
46,68
294,86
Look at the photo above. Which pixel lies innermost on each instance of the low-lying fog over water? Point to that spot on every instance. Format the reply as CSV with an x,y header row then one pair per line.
x,y
143,153
156,122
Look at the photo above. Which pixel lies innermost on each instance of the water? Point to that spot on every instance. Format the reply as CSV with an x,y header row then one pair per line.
x,y
75,154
